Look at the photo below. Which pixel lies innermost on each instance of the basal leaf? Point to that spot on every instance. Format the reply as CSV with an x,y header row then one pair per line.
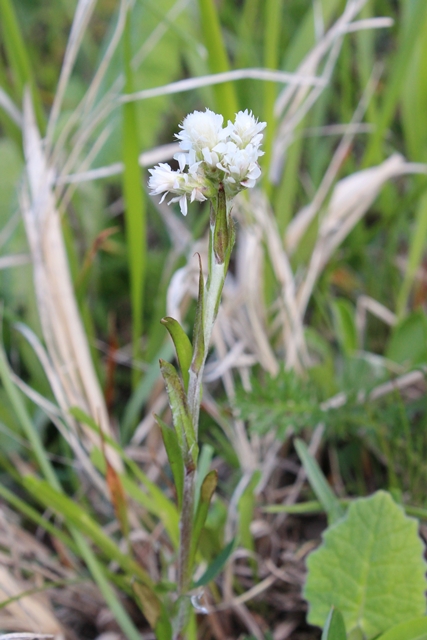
x,y
370,566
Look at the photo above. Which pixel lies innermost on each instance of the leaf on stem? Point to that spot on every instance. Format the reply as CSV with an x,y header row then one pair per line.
x,y
174,454
206,492
180,413
216,566
183,348
198,334
221,236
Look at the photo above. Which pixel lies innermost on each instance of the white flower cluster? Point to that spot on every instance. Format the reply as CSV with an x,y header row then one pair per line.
x,y
214,155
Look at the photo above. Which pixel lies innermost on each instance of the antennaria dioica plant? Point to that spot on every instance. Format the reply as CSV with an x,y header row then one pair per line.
x,y
215,164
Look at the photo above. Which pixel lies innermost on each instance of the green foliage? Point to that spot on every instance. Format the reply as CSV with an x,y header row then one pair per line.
x,y
370,567
334,628
408,344
319,483
279,403
412,630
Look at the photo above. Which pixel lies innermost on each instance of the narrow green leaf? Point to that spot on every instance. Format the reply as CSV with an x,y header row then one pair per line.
x,y
334,628
108,593
217,565
415,629
319,484
345,325
134,201
413,24
83,417
221,236
163,629
206,492
35,517
26,423
19,59
225,95
273,26
198,331
415,257
174,454
370,566
155,501
246,508
180,412
83,522
183,348
203,466
142,392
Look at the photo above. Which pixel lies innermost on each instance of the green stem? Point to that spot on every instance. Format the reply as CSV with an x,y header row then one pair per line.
x,y
220,246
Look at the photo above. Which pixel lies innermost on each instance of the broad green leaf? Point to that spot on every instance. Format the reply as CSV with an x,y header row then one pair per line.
x,y
184,350
415,629
174,454
216,566
408,343
319,484
370,566
334,628
180,412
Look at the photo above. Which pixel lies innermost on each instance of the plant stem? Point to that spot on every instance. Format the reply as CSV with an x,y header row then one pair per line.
x,y
220,246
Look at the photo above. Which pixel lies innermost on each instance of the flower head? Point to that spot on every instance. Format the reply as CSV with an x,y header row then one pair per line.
x,y
246,129
214,155
201,130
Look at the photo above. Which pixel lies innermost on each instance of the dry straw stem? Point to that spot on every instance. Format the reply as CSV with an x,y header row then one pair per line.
x,y
7,104
62,327
29,613
294,102
350,200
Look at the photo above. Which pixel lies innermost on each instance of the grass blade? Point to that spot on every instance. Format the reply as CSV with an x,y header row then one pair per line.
x,y
18,57
319,483
225,95
134,202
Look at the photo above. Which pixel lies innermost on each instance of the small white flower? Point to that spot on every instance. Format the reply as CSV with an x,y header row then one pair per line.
x,y
246,129
241,168
164,180
201,132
